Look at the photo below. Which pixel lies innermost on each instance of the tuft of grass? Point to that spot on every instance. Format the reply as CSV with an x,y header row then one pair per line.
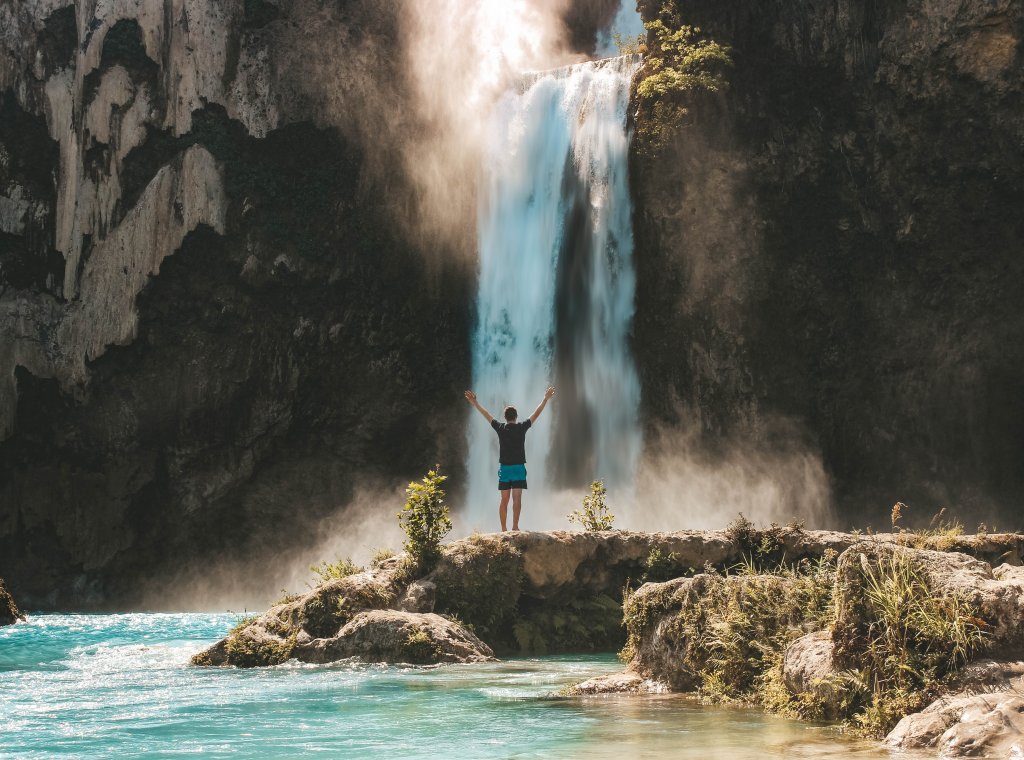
x,y
329,571
380,556
420,649
908,639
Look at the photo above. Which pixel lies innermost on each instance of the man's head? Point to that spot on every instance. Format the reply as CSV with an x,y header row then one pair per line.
x,y
511,414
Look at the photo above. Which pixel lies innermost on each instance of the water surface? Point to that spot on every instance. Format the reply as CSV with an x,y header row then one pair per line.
x,y
104,686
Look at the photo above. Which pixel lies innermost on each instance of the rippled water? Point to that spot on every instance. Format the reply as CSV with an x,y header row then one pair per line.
x,y
120,685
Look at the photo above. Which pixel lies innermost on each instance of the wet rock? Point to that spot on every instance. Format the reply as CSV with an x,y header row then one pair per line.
x,y
396,636
9,612
419,596
320,614
627,682
966,725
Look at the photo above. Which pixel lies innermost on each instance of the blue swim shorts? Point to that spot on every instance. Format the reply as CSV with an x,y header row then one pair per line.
x,y
511,476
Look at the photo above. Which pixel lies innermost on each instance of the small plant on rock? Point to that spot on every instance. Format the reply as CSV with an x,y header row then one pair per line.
x,y
425,520
595,514
380,556
329,571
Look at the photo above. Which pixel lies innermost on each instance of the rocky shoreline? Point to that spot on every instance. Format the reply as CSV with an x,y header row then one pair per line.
x,y
9,612
812,598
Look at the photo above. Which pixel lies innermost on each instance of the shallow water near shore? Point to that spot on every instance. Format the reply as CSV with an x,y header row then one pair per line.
x,y
120,685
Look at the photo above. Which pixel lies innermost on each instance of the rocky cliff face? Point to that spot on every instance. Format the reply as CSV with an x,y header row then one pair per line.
x,y
836,241
214,317
210,323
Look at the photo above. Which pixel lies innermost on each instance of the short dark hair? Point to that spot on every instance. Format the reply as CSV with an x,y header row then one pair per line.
x,y
510,413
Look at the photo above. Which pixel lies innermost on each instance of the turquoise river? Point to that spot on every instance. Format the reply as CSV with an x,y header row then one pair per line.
x,y
105,686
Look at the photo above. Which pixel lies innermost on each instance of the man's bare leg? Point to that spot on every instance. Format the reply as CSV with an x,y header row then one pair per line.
x,y
503,510
517,507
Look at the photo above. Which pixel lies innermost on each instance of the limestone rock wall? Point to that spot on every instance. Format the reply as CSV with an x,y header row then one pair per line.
x,y
836,242
211,323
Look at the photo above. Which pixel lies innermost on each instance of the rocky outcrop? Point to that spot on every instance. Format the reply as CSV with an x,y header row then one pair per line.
x,y
806,640
981,717
805,231
9,612
537,592
393,636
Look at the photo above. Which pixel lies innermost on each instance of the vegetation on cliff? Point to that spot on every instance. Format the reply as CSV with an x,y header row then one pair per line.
x,y
681,63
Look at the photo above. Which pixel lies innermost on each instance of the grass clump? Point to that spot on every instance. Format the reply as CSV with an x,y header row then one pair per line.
x,y
420,649
380,556
425,520
595,515
904,639
329,571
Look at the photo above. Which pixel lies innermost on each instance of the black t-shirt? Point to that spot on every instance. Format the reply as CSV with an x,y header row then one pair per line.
x,y
511,441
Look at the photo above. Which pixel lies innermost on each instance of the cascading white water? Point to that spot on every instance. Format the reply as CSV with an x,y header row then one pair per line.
x,y
556,287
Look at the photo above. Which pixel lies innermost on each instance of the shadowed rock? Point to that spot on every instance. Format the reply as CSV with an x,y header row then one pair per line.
x,y
395,636
9,612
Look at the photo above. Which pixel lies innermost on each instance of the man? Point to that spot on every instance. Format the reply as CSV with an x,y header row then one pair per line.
x,y
512,454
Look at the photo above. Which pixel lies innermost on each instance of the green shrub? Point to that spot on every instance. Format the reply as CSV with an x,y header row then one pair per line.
x,y
680,62
425,520
660,567
595,514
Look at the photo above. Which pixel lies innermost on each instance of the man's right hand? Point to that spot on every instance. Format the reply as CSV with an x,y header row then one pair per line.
x,y
471,397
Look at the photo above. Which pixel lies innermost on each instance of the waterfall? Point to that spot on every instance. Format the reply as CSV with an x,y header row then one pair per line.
x,y
555,299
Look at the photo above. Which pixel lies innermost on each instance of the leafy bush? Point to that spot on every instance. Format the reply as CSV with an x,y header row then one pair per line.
x,y
425,520
680,62
595,515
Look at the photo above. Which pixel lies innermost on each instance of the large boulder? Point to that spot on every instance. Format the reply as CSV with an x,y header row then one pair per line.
x,y
9,612
396,636
272,638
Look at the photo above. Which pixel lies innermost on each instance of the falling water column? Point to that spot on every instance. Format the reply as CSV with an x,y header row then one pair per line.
x,y
555,299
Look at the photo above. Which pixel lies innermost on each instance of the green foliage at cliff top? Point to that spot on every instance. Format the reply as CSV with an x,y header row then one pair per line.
x,y
681,62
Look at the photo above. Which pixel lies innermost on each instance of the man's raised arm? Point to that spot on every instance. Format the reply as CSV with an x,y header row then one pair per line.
x,y
540,407
471,398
